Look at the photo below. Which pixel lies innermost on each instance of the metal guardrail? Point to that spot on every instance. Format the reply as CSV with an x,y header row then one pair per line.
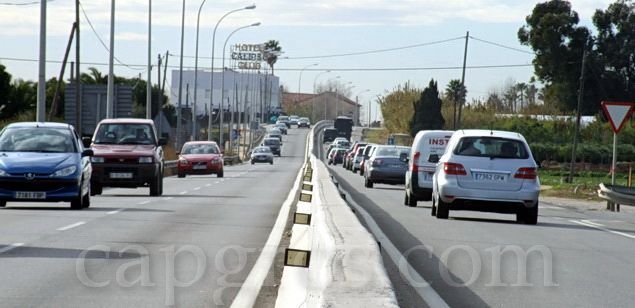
x,y
616,196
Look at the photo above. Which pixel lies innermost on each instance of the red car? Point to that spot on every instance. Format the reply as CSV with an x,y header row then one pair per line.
x,y
200,157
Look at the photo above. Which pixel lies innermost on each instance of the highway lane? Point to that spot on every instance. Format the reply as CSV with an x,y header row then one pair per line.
x,y
191,247
591,251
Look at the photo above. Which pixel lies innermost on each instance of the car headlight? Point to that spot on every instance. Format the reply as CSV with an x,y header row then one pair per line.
x,y
97,159
216,159
183,161
145,160
65,171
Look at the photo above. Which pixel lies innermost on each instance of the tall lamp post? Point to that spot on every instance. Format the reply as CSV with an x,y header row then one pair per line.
x,y
222,90
297,96
41,85
357,105
198,23
211,88
315,92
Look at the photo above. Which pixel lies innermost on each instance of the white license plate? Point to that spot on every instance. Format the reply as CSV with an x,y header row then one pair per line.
x,y
199,167
121,175
490,177
30,195
426,176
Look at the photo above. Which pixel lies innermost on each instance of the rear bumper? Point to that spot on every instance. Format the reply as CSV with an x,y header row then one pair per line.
x,y
142,174
501,201
386,176
262,160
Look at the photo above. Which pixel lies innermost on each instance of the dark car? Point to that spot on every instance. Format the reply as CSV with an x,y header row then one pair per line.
x,y
284,120
274,144
304,122
385,166
329,134
127,154
42,162
282,127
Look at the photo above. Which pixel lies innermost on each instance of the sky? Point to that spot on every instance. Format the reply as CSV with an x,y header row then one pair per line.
x,y
306,28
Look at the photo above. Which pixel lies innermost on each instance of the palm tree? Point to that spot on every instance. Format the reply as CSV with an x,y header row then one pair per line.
x,y
93,77
271,53
456,92
522,87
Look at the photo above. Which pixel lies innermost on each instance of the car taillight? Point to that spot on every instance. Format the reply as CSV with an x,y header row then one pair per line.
x,y
527,173
415,162
454,169
377,162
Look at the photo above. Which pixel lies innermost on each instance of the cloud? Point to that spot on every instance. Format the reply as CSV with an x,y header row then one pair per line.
x,y
167,13
131,36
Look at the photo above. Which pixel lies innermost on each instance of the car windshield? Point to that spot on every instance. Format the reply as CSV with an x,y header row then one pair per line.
x,y
491,147
262,150
200,149
272,142
392,151
37,139
125,133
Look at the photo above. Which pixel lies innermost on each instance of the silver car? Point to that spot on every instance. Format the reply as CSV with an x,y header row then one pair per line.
x,y
262,154
484,170
386,166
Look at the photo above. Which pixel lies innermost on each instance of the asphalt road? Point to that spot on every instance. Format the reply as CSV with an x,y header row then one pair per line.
x,y
589,253
191,247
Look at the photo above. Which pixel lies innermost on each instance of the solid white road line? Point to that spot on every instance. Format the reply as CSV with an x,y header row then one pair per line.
x,y
11,247
426,292
71,226
590,225
114,212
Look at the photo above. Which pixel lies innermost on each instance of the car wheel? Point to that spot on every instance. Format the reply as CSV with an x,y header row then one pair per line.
x,y
3,203
95,189
78,202
405,199
154,186
253,162
86,201
181,175
433,210
354,170
368,183
221,173
412,200
443,209
271,162
531,215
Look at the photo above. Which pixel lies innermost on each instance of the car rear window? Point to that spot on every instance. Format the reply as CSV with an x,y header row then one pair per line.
x,y
491,147
272,142
392,151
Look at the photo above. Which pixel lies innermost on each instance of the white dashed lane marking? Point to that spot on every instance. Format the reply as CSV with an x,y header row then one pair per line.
x,y
11,247
114,212
71,226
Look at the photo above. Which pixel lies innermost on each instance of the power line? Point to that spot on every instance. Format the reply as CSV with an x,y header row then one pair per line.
x,y
359,53
429,68
502,46
104,44
23,4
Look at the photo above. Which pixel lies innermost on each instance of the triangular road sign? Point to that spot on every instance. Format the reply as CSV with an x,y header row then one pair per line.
x,y
618,114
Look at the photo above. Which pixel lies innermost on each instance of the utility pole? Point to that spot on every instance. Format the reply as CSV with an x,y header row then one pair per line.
x,y
369,112
41,85
178,108
160,112
577,120
110,99
462,98
149,82
78,92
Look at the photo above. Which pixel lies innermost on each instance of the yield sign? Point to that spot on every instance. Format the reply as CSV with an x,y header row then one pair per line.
x,y
618,114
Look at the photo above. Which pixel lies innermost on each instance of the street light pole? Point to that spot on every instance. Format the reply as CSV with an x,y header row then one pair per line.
x,y
110,99
198,22
211,88
178,108
297,96
149,82
357,109
222,90
41,85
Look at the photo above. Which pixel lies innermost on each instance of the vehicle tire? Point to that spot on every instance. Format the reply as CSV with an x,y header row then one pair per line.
x,y
412,200
271,162
221,173
368,183
405,199
154,186
86,201
95,189
443,209
161,185
3,203
531,215
354,170
433,210
78,202
181,175
253,162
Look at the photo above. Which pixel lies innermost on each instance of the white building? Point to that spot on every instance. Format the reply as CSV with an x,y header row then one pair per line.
x,y
245,90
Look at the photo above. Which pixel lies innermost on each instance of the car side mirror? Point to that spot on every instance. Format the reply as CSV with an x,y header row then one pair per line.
x,y
88,153
177,153
86,141
163,141
403,157
434,158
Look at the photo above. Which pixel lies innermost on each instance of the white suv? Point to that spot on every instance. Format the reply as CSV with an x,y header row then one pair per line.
x,y
484,170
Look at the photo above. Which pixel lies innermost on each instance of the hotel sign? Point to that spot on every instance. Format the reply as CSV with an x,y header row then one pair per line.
x,y
249,56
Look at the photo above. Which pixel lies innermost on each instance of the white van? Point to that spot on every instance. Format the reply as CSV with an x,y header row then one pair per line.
x,y
427,147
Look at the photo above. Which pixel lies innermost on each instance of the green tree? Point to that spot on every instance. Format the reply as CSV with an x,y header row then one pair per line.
x,y
5,91
271,53
427,110
396,107
456,92
93,76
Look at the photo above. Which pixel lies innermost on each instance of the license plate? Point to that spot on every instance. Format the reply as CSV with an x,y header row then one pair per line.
x,y
426,176
199,167
489,177
121,175
30,195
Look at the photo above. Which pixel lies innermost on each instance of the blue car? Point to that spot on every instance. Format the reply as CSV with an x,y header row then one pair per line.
x,y
44,162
